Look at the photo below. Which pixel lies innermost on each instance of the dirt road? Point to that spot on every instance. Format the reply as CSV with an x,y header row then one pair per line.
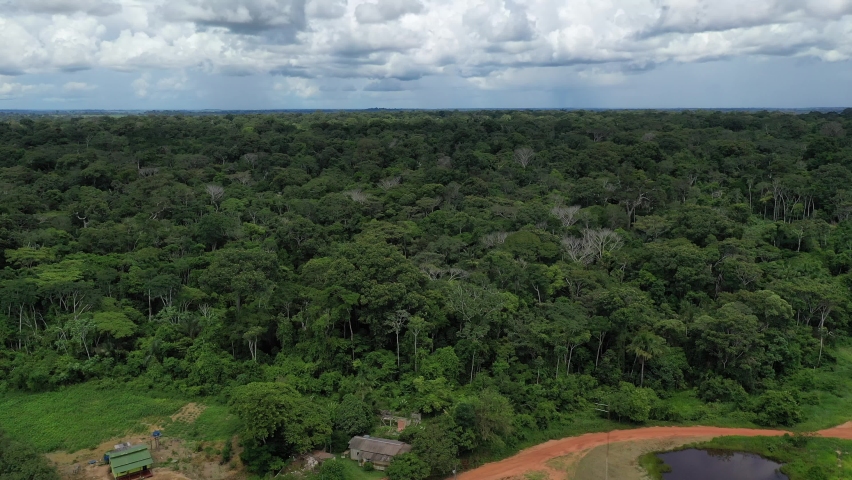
x,y
535,458
841,431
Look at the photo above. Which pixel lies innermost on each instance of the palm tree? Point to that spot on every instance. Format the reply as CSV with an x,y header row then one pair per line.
x,y
646,345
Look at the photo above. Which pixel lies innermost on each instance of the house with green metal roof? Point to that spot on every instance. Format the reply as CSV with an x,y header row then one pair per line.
x,y
130,461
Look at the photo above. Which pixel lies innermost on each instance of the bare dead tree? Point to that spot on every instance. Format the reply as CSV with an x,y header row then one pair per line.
x,y
251,159
85,219
601,241
216,193
456,273
599,134
395,322
649,137
445,162
631,204
148,171
390,182
357,195
577,250
523,156
431,271
494,239
243,177
833,129
610,189
566,215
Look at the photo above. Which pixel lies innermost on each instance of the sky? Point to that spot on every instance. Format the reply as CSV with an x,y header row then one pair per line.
x,y
328,54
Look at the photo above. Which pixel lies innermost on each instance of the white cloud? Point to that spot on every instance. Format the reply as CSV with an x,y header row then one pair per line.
x,y
174,83
19,50
499,21
142,85
386,10
72,41
13,90
303,87
77,87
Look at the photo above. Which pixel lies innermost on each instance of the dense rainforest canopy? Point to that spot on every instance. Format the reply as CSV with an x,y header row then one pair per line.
x,y
494,271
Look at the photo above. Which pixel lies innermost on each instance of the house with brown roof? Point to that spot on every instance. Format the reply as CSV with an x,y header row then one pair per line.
x,y
378,451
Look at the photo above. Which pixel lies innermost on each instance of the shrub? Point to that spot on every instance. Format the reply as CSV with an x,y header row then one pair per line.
x,y
333,470
631,402
353,416
408,466
20,461
227,452
719,389
776,408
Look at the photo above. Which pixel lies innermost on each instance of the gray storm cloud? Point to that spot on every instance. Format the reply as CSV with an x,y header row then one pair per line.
x,y
245,16
90,7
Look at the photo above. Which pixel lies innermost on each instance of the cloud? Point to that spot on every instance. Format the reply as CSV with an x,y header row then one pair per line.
x,y
165,87
90,7
77,87
326,9
13,90
386,10
141,85
19,50
384,44
499,21
241,16
302,87
174,83
385,85
72,42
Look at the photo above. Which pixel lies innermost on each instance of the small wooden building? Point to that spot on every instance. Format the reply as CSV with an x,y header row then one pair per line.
x,y
378,451
131,462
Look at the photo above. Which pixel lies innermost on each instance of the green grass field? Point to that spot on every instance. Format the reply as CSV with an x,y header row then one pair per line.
x,y
833,405
84,416
214,423
354,472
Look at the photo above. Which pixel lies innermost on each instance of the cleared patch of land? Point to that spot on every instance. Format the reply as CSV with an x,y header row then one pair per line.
x,y
84,416
175,459
189,413
623,459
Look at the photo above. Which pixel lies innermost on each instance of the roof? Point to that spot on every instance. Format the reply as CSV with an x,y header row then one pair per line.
x,y
378,449
126,450
124,461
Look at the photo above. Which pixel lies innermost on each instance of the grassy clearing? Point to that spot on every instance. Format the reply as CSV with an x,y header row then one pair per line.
x,y
78,417
654,465
830,404
84,416
354,472
214,423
